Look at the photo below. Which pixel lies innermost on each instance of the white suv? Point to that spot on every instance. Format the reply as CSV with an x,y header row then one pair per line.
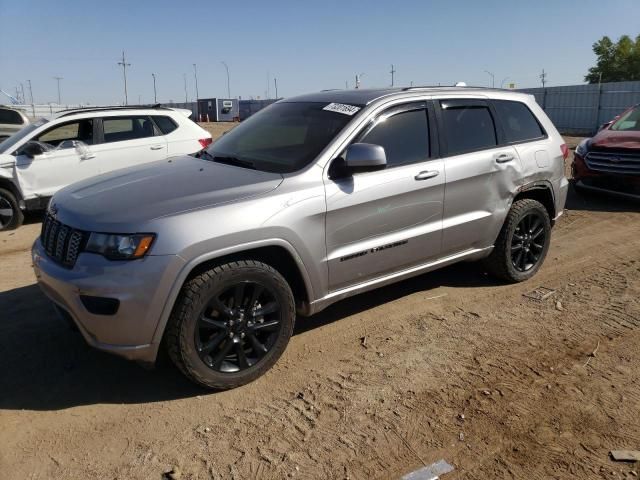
x,y
73,145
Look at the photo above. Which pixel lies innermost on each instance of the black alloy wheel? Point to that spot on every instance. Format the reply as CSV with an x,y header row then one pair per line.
x,y
238,327
528,242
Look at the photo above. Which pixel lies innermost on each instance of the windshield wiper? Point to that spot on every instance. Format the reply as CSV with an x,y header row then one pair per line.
x,y
232,161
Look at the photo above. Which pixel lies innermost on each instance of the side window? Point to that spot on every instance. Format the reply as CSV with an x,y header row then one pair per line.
x,y
118,129
165,124
404,136
79,130
517,121
467,127
10,117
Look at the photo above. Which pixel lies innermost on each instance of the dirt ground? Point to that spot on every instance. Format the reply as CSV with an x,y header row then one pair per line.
x,y
450,365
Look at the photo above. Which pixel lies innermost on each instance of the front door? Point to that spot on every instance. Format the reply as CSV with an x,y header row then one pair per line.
x,y
388,220
69,160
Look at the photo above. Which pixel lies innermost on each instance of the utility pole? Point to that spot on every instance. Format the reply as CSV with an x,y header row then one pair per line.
x,y
275,84
392,72
24,101
493,78
184,75
228,82
358,79
30,91
543,78
346,85
155,96
268,84
58,80
195,75
139,99
124,66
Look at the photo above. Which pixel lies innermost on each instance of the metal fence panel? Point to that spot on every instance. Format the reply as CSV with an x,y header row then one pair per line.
x,y
581,109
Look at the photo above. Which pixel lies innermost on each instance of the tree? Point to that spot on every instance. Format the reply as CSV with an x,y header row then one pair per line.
x,y
617,61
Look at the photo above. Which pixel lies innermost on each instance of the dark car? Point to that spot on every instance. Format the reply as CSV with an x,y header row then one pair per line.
x,y
610,161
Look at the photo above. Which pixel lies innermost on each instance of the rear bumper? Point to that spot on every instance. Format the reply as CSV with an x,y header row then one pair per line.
x,y
141,288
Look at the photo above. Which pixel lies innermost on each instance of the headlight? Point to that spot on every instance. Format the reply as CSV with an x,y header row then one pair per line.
x,y
120,247
583,147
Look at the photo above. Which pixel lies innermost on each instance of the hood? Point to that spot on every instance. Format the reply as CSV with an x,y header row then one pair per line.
x,y
616,139
144,193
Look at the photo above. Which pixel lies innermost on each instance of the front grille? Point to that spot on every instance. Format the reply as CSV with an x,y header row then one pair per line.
x,y
61,242
614,161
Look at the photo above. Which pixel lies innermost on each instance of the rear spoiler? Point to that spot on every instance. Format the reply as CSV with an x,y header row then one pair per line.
x,y
183,111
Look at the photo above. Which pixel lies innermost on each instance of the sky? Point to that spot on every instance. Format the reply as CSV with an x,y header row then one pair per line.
x,y
306,45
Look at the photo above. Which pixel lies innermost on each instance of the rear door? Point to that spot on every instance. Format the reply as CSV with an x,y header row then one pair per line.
x,y
481,174
128,140
388,220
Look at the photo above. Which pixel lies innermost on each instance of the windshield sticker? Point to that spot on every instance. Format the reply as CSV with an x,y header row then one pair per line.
x,y
342,108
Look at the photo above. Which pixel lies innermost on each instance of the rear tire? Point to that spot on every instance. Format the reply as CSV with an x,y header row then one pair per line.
x,y
522,244
231,324
11,217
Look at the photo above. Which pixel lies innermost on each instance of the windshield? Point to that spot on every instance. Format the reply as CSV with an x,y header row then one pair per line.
x,y
20,134
283,137
630,121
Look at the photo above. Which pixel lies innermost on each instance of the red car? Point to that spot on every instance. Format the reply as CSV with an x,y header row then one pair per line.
x,y
610,161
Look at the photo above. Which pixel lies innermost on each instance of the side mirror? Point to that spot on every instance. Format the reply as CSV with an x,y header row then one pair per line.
x,y
365,156
605,125
32,149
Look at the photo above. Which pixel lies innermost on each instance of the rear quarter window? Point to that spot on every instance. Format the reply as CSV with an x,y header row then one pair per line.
x,y
518,123
165,124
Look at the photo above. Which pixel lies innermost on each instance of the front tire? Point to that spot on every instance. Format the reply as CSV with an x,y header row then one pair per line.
x,y
523,242
11,217
231,324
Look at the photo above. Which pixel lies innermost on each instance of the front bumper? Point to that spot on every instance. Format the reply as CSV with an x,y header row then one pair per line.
x,y
140,286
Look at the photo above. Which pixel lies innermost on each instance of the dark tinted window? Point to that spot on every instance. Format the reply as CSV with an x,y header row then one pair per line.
x,y
10,117
468,128
404,136
118,129
165,124
79,130
283,137
517,121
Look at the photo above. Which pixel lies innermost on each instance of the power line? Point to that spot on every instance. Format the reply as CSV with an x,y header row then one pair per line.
x,y
124,66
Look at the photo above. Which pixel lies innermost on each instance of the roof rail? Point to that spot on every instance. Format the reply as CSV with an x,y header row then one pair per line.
x,y
451,86
71,111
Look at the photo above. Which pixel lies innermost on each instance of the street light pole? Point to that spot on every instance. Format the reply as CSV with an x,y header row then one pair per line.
x,y
195,75
30,91
58,80
184,75
493,78
124,66
502,82
228,82
275,83
155,97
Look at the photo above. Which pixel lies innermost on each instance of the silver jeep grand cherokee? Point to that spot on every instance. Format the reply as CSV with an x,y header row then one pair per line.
x,y
314,199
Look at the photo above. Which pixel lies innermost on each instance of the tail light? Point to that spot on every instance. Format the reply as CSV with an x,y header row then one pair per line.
x,y
565,151
205,142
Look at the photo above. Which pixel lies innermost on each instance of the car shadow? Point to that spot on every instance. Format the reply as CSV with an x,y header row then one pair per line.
x,y
44,365
599,202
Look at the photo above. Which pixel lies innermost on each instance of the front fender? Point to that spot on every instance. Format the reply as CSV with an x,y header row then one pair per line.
x,y
206,257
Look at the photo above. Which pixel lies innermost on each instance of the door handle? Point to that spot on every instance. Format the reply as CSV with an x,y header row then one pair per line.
x,y
427,174
157,147
504,157
88,156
